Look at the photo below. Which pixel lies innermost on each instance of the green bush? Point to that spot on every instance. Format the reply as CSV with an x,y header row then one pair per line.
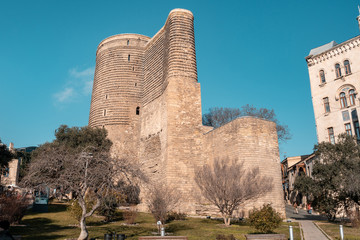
x,y
108,208
265,220
171,216
75,210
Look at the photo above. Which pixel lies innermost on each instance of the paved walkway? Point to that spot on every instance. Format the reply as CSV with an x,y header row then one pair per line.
x,y
311,232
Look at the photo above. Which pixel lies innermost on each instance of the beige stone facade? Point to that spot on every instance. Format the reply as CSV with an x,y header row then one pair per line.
x,y
291,168
334,71
147,95
11,173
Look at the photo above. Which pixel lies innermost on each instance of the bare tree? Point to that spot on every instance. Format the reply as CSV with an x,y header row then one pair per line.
x,y
227,184
217,117
161,201
78,161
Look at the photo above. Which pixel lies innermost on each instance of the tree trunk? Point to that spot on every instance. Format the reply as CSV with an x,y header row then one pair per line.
x,y
226,220
84,232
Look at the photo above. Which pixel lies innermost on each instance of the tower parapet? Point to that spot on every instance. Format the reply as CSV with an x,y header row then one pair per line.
x,y
181,44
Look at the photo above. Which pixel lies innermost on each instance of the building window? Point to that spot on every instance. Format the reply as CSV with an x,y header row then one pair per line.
x,y
357,129
129,58
138,111
331,135
326,104
128,42
104,113
338,70
348,129
322,76
352,96
347,67
343,101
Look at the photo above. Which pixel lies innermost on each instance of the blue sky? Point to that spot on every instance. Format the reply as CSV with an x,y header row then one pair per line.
x,y
248,52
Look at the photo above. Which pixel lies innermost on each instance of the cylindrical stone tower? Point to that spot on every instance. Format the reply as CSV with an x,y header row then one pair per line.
x,y
115,102
181,44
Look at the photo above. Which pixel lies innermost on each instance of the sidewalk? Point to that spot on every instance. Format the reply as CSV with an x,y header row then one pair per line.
x,y
311,232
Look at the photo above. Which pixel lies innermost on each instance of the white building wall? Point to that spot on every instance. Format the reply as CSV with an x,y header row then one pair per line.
x,y
349,50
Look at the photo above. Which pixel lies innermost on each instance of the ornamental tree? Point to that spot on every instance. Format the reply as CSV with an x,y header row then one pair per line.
x,y
228,185
79,161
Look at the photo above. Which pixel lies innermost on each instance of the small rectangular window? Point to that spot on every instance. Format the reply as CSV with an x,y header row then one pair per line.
x,y
348,129
326,104
104,112
331,135
129,58
322,76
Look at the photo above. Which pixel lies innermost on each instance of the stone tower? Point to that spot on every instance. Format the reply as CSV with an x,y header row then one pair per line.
x,y
147,95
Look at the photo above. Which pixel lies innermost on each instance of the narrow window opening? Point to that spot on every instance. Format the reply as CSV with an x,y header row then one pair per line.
x,y
138,111
331,135
348,129
343,102
135,84
352,97
338,70
129,58
133,68
128,42
326,104
347,67
322,76
106,96
357,129
104,113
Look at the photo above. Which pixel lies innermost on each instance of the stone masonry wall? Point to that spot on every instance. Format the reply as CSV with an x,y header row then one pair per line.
x,y
253,141
184,107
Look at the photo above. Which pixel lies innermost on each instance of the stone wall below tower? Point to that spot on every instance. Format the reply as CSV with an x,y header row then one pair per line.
x,y
253,141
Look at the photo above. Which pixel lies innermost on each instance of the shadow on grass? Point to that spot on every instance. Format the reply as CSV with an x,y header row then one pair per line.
x,y
177,226
52,208
38,229
128,231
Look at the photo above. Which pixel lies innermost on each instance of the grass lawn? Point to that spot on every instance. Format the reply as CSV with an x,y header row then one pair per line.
x,y
333,230
58,224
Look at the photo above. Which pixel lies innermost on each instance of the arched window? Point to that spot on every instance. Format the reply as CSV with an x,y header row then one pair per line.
x,y
347,67
343,101
352,96
338,70
322,76
138,111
